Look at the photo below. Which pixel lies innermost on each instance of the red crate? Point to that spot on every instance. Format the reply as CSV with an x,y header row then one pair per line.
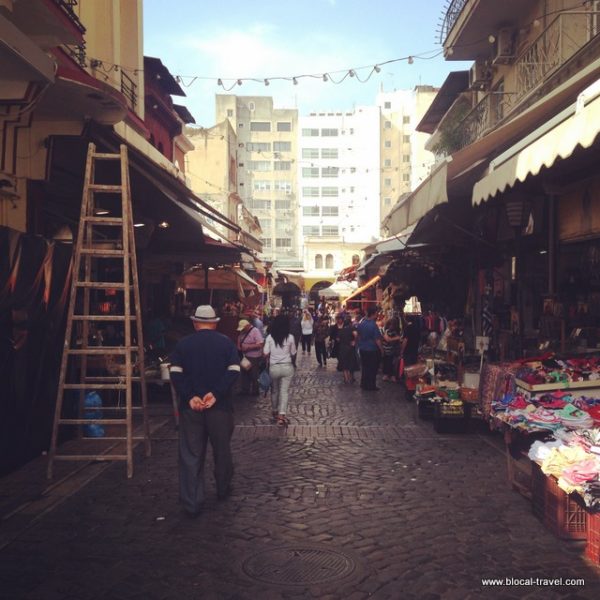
x,y
592,550
561,513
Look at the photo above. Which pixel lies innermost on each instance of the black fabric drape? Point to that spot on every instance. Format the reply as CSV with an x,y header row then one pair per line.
x,y
34,280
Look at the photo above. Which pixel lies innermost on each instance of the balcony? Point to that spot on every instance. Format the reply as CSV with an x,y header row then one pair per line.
x,y
66,7
571,40
129,90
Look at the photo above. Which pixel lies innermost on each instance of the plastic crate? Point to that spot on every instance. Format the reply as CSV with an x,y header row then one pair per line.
x,y
425,408
450,422
559,511
592,550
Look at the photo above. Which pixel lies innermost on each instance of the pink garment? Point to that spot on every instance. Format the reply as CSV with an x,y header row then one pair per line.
x,y
254,337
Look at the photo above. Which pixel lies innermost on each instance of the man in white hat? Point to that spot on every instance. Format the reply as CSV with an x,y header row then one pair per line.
x,y
204,367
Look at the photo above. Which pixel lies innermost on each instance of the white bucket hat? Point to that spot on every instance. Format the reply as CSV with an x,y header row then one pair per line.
x,y
205,314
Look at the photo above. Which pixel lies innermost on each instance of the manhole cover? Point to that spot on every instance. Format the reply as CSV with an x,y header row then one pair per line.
x,y
293,565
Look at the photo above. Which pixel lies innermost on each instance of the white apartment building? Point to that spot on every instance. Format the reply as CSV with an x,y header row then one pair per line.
x,y
338,186
266,168
404,161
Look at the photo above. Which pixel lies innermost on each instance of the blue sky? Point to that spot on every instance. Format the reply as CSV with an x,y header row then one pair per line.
x,y
285,38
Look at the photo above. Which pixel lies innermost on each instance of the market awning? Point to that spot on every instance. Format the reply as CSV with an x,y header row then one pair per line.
x,y
429,194
218,279
383,252
577,125
361,289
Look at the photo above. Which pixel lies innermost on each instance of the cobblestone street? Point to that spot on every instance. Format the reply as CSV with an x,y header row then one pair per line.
x,y
357,499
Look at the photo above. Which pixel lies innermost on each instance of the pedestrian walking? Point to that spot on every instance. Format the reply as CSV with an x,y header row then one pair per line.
x,y
321,335
369,346
296,327
347,359
391,348
250,344
280,351
204,367
307,325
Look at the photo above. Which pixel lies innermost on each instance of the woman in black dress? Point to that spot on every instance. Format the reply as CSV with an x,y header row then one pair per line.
x,y
347,360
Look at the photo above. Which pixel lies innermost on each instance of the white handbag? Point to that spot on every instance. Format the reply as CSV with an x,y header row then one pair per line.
x,y
245,364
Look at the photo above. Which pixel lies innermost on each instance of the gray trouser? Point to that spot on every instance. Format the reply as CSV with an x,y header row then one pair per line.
x,y
282,377
195,430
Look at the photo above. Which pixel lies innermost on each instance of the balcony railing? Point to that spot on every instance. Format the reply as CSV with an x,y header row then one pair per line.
x,y
67,6
129,90
77,53
566,35
452,13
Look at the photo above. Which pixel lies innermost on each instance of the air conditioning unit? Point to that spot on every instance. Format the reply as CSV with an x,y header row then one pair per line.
x,y
480,76
504,49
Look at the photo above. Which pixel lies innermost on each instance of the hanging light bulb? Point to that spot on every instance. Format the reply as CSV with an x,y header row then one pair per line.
x,y
351,73
325,78
294,81
377,69
220,82
411,60
239,82
267,82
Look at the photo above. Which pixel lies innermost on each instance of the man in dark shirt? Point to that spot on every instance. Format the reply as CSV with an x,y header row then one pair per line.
x,y
369,346
204,367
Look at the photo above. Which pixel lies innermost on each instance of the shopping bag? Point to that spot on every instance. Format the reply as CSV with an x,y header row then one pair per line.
x,y
264,381
245,364
401,367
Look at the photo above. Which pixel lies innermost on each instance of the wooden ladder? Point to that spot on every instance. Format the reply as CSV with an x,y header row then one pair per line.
x,y
105,240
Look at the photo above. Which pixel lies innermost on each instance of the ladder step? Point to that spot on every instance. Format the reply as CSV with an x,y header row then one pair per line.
x,y
92,380
100,386
102,350
101,317
104,220
88,457
107,189
106,156
103,252
110,407
102,285
93,422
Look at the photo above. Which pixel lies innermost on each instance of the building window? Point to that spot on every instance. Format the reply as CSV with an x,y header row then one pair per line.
x,y
266,242
310,192
310,230
282,146
283,186
330,230
283,242
282,165
387,182
329,261
240,125
405,120
328,132
318,260
352,169
406,157
258,203
388,144
387,162
330,172
259,165
310,153
330,192
388,125
282,205
387,105
230,112
406,139
352,189
310,211
387,201
310,172
258,146
406,177
260,126
330,211
329,153
251,106
351,131
261,184
310,132
284,126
